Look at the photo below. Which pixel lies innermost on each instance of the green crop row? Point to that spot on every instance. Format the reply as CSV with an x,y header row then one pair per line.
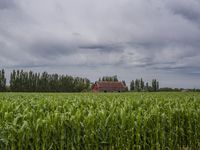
x,y
127,121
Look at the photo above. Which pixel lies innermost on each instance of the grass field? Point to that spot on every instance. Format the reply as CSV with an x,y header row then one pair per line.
x,y
87,121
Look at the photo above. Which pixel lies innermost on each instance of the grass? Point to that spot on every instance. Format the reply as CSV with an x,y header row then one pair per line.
x,y
140,121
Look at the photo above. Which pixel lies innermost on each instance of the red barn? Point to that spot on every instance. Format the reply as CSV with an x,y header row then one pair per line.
x,y
108,86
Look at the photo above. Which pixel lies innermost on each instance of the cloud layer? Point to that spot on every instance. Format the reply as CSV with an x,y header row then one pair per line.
x,y
131,38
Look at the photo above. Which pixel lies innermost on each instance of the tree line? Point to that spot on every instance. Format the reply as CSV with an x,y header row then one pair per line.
x,y
28,81
24,81
111,78
2,81
139,85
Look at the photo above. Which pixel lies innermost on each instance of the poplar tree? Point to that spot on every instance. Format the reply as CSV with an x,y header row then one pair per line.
x,y
141,84
132,85
2,81
155,85
137,85
22,81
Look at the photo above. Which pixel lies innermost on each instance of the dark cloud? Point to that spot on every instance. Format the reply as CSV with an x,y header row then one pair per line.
x,y
7,4
104,47
187,10
52,48
189,14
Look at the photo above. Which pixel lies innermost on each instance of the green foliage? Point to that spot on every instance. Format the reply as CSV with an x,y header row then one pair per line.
x,y
132,85
155,85
139,86
109,78
2,81
137,121
21,81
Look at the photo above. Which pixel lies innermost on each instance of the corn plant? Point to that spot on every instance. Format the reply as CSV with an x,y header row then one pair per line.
x,y
100,121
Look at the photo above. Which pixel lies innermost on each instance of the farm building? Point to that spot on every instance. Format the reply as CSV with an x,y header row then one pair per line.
x,y
108,86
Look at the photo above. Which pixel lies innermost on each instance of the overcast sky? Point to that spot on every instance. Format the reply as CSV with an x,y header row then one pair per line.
x,y
92,38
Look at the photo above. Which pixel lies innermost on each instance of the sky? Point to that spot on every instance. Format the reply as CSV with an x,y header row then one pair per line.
x,y
94,38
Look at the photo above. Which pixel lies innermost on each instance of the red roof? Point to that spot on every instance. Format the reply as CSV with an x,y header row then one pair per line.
x,y
109,86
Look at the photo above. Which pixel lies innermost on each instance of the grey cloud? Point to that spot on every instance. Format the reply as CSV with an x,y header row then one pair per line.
x,y
104,47
7,4
188,10
127,37
189,14
2,45
52,48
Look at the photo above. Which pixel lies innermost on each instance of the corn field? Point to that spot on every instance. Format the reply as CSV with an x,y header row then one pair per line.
x,y
111,121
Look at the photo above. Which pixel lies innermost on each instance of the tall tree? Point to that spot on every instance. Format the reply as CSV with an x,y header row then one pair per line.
x,y
141,84
147,87
155,85
137,85
2,81
132,85
115,78
34,82
109,78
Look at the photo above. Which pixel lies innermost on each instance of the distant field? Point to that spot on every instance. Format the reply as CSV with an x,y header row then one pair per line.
x,y
87,121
